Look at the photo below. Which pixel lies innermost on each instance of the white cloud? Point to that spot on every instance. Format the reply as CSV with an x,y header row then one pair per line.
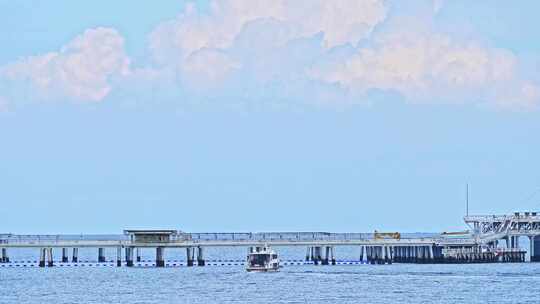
x,y
341,22
335,51
208,67
427,66
280,42
81,70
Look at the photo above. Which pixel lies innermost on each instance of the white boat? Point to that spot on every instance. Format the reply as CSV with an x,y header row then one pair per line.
x,y
262,259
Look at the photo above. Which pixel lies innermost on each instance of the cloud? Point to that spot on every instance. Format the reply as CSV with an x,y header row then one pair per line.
x,y
342,21
345,43
335,52
81,70
426,66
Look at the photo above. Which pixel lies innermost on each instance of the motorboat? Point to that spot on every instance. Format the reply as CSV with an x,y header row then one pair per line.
x,y
262,259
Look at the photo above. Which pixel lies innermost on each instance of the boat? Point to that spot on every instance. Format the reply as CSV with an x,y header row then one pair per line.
x,y
262,259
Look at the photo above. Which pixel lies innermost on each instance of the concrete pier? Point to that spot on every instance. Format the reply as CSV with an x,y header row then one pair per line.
x,y
119,257
42,255
138,252
535,248
50,259
5,257
160,255
101,255
129,256
200,256
189,256
65,258
75,256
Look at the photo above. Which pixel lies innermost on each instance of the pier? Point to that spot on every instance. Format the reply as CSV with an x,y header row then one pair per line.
x,y
492,239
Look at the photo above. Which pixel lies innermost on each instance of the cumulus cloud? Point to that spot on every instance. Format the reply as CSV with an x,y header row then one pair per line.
x,y
224,27
428,66
337,51
81,70
279,42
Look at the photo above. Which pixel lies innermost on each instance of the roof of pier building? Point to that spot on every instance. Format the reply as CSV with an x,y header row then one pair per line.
x,y
152,236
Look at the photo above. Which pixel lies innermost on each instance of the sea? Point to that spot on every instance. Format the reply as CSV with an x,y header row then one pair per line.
x,y
230,283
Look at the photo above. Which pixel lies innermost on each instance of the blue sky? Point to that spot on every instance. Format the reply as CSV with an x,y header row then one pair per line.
x,y
250,115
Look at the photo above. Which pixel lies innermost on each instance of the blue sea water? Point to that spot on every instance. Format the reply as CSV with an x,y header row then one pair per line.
x,y
397,283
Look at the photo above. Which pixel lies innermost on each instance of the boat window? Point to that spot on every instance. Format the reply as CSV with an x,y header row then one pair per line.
x,y
258,259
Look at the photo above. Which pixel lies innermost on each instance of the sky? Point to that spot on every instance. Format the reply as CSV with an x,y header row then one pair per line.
x,y
257,115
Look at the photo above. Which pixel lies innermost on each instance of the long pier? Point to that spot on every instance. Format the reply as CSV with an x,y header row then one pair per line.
x,y
481,245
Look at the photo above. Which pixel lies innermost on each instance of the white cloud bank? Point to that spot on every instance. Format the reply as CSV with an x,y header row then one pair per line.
x,y
426,66
81,70
283,46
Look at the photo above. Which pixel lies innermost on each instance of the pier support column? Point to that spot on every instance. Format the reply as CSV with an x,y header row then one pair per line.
x,y
317,256
200,256
361,254
119,257
138,251
42,254
5,257
326,255
535,249
65,258
160,257
308,254
50,262
75,256
513,242
332,256
101,255
129,256
189,256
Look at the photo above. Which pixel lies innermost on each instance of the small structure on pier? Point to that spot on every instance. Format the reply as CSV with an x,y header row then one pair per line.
x,y
152,236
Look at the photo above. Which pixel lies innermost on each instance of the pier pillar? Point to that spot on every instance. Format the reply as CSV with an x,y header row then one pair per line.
x,y
368,256
200,256
361,254
308,254
386,255
326,255
372,254
129,257
101,255
42,253
138,251
378,254
535,249
332,256
65,258
189,255
75,256
50,262
317,255
5,257
118,256
160,257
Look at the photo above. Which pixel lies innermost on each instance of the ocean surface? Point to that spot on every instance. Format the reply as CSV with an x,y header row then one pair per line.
x,y
403,283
